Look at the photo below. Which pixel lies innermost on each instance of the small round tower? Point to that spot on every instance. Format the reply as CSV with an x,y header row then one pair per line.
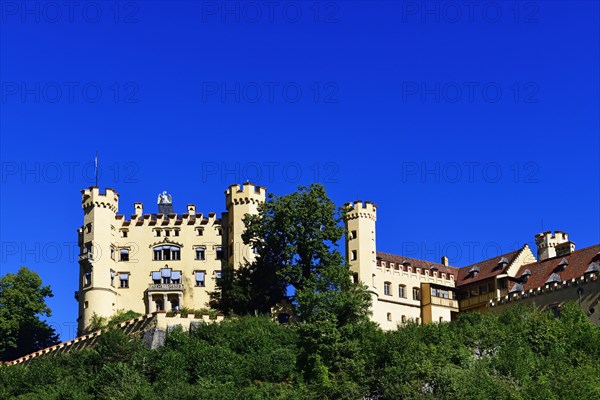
x,y
96,267
360,240
239,201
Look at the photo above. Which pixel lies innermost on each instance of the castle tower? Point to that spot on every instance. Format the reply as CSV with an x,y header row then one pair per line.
x,y
553,244
360,240
240,201
96,266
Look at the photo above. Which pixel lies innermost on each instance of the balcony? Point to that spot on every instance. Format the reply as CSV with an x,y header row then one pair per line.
x,y
86,257
482,299
165,287
440,301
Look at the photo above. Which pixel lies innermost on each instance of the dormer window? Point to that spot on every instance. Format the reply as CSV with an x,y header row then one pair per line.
x,y
525,275
563,264
474,271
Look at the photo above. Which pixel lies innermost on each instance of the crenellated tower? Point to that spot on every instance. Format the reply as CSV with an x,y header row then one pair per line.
x,y
96,271
360,240
553,244
239,201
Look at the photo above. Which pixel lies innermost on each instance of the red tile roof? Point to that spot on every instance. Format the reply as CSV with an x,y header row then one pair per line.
x,y
414,263
487,268
579,261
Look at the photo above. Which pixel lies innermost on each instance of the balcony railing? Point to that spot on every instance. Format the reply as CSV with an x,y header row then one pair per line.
x,y
86,257
481,299
440,301
165,287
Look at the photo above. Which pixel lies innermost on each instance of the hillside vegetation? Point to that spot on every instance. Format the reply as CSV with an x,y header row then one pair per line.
x,y
517,354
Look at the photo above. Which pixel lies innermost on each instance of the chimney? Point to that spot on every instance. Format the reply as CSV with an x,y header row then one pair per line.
x,y
445,261
138,208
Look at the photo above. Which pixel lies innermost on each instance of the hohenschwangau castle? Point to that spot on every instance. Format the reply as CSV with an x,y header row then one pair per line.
x,y
163,260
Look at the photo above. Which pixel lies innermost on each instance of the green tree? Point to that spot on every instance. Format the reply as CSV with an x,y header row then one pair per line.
x,y
22,303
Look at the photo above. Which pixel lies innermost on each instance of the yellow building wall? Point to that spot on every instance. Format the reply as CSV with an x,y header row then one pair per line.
x,y
105,231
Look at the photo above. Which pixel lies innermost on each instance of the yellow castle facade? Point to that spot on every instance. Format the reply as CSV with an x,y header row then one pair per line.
x,y
167,261
157,261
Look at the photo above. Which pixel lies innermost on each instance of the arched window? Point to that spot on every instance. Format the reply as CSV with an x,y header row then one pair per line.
x,y
167,253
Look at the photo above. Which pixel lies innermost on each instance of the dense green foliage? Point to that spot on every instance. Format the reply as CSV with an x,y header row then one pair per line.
x,y
296,239
98,322
22,303
517,354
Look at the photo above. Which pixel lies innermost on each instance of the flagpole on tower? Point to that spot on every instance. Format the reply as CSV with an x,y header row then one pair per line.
x,y
96,164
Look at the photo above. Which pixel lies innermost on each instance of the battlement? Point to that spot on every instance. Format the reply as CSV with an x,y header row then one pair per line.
x,y
360,209
549,238
245,194
92,197
552,244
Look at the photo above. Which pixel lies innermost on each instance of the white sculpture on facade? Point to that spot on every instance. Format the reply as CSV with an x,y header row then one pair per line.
x,y
164,198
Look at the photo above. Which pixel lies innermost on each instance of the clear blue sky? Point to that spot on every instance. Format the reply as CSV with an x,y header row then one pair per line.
x,y
470,128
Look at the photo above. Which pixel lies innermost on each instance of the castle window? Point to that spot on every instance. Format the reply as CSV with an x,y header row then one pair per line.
x,y
176,232
200,278
167,253
156,277
404,319
353,235
124,280
389,316
199,231
383,263
354,255
200,253
402,291
165,274
112,253
416,293
176,277
387,288
167,232
86,304
124,255
124,233
218,274
88,228
157,232
219,231
219,251
112,277
355,277
88,247
87,278
441,319
254,249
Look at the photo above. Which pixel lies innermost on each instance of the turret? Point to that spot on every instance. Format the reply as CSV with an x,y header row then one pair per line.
x,y
551,244
360,240
96,277
239,201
